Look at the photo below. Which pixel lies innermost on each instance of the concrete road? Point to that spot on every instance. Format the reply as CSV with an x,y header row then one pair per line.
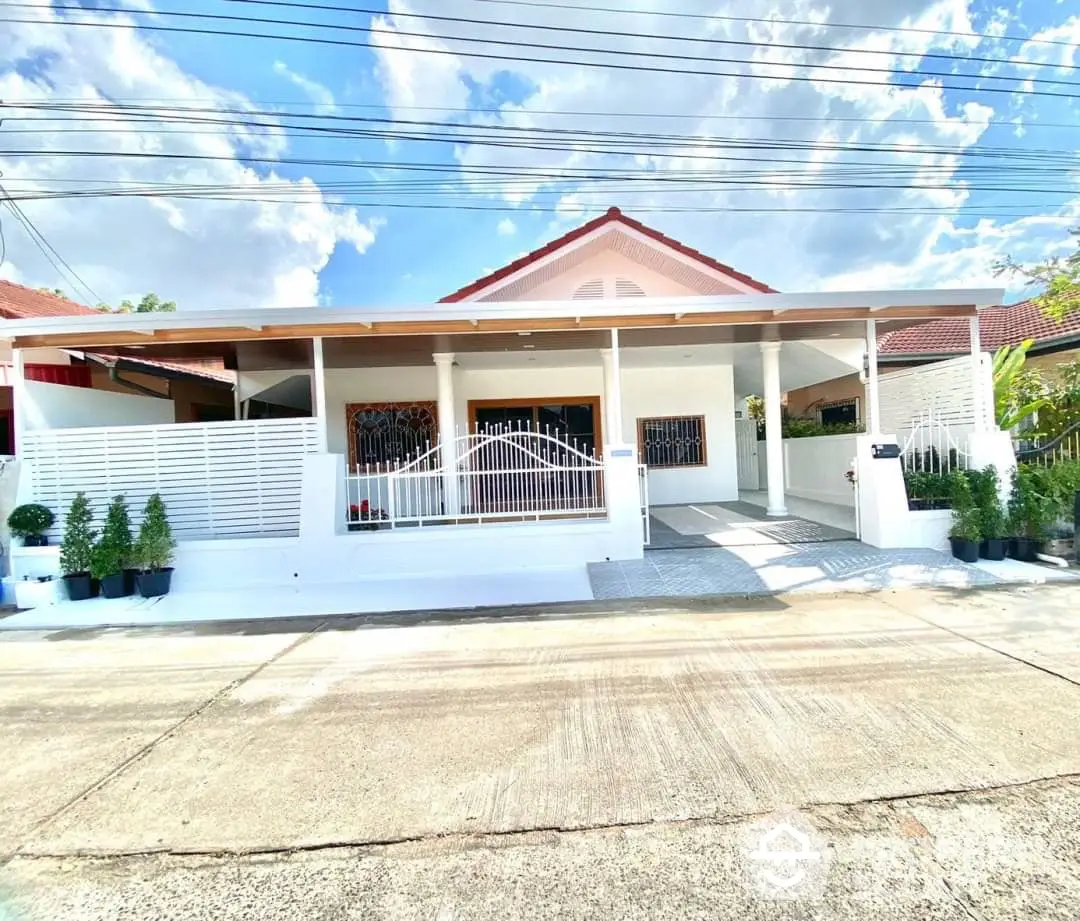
x,y
550,763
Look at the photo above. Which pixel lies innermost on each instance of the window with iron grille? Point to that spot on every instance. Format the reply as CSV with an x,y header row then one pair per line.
x,y
672,441
390,433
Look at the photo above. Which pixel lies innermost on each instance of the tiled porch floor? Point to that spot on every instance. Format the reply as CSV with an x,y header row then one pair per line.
x,y
734,524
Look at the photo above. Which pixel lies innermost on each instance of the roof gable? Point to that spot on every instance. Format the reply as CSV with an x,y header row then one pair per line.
x,y
634,240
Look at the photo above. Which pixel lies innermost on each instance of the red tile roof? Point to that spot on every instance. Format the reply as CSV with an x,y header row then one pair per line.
x,y
611,216
998,326
17,302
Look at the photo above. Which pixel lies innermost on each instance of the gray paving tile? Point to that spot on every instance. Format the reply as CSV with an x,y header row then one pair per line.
x,y
751,570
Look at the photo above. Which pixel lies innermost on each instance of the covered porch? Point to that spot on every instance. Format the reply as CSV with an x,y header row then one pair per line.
x,y
453,439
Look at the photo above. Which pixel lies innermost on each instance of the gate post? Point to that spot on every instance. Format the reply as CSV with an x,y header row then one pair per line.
x,y
623,497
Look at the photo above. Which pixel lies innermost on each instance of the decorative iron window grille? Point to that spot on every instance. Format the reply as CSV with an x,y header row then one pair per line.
x,y
672,441
384,433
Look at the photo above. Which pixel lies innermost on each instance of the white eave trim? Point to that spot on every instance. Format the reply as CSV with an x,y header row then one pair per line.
x,y
475,311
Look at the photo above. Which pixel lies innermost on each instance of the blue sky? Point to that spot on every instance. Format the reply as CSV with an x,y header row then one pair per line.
x,y
310,249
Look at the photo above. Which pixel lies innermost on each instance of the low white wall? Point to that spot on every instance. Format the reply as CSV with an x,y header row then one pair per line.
x,y
814,468
56,406
924,529
406,553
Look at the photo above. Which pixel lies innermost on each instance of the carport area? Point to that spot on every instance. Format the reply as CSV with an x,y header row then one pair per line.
x,y
745,524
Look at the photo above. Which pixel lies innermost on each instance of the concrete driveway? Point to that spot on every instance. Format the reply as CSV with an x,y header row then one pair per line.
x,y
677,719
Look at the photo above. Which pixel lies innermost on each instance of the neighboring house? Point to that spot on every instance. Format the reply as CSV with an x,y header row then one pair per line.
x,y
844,399
526,421
201,391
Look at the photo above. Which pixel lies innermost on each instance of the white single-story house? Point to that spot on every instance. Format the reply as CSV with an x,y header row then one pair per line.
x,y
528,420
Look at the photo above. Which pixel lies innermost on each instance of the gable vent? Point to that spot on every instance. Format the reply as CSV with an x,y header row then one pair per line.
x,y
592,290
624,287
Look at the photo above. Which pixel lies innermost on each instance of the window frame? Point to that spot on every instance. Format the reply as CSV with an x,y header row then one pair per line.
x,y
698,418
834,404
385,406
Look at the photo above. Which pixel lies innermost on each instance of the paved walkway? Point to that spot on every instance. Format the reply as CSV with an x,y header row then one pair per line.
x,y
820,567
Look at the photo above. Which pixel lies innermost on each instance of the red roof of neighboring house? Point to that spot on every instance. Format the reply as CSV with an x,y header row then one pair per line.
x,y
17,302
611,216
998,326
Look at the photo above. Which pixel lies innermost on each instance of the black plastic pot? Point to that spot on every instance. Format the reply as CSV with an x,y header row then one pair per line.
x,y
967,551
1024,548
994,548
129,581
79,586
115,586
36,540
154,584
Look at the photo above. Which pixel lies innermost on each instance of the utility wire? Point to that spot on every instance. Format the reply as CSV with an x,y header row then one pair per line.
x,y
47,249
610,65
615,33
786,21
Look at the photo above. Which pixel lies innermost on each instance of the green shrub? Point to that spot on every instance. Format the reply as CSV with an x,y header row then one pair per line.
x,y
985,489
1032,505
78,542
966,524
113,551
30,520
810,428
155,545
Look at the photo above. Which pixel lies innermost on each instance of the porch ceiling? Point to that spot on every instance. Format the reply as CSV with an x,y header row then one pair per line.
x,y
415,350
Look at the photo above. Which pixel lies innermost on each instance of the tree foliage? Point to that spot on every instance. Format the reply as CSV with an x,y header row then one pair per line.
x,y
1016,393
1057,277
150,303
113,550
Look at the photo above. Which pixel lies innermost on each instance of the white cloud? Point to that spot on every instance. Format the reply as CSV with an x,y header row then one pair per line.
x,y
829,243
316,92
200,253
506,228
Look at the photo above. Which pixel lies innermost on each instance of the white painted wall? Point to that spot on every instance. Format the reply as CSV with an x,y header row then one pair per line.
x,y
687,391
55,406
814,468
675,391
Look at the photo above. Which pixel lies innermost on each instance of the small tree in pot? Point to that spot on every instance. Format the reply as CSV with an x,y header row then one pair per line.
x,y
77,548
965,533
113,551
154,550
30,522
1031,512
993,528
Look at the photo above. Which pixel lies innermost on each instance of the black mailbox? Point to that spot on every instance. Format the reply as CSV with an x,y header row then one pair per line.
x,y
885,451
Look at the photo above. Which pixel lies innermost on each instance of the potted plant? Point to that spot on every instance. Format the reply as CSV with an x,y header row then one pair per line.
x,y
112,552
965,532
154,550
30,522
992,524
76,548
1031,512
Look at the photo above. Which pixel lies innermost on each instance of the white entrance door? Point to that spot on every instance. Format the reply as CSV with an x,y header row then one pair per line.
x,y
746,445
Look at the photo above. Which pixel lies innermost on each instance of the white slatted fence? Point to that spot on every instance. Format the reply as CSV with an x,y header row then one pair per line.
x,y
218,479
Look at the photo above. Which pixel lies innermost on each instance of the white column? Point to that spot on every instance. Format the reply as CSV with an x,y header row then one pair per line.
x,y
774,445
608,405
873,398
444,375
18,398
238,404
616,436
318,393
978,403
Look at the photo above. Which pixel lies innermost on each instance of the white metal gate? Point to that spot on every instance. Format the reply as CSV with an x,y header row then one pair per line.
x,y
746,446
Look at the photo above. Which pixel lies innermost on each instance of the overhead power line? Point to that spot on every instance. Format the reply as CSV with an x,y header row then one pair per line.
x,y
46,248
619,33
786,21
483,55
